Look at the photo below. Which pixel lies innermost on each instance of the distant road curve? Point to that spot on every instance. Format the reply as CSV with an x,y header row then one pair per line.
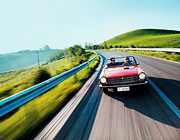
x,y
175,50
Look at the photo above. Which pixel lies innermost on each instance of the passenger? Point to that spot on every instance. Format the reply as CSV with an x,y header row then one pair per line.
x,y
127,62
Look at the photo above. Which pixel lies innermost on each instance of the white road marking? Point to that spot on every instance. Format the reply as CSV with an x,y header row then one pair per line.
x,y
165,98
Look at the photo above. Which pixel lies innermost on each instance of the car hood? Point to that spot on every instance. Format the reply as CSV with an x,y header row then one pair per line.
x,y
120,71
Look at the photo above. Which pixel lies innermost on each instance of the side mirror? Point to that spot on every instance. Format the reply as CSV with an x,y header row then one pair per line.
x,y
138,63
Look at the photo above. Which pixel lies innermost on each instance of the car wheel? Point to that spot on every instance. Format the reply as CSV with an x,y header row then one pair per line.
x,y
140,89
105,90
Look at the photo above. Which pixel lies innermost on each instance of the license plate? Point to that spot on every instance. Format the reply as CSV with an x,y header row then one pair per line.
x,y
123,89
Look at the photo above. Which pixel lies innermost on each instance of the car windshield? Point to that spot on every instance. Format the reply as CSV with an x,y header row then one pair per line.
x,y
121,61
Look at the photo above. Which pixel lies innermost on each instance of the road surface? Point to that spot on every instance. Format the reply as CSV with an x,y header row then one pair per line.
x,y
129,116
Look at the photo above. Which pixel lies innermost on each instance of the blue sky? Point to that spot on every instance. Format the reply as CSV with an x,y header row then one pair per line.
x,y
31,24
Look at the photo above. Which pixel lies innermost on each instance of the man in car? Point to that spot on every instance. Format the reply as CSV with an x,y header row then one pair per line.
x,y
127,62
112,63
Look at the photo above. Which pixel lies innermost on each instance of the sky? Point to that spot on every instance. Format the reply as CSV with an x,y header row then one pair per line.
x,y
32,24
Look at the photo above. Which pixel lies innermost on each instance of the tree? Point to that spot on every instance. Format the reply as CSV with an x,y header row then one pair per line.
x,y
46,47
73,53
132,46
56,56
110,46
105,44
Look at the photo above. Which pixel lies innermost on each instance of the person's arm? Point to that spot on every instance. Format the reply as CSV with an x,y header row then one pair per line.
x,y
108,65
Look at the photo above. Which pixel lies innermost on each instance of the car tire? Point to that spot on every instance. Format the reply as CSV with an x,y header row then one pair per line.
x,y
105,90
140,89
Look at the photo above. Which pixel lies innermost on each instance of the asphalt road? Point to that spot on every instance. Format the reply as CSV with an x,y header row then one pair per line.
x,y
141,116
131,115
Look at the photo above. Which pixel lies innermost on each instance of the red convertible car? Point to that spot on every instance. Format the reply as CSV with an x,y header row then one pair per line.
x,y
121,73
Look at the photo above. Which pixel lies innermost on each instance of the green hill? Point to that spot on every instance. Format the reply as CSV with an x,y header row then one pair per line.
x,y
147,38
22,59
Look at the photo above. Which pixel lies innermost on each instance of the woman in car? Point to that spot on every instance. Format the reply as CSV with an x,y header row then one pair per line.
x,y
127,62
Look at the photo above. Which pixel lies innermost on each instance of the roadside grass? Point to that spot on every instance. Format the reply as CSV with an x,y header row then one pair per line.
x,y
18,80
163,55
37,111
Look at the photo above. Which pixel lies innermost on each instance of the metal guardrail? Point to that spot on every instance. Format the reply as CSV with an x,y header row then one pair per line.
x,y
10,103
174,50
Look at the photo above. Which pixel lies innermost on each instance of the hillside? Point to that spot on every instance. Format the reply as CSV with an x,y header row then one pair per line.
x,y
147,38
21,59
15,81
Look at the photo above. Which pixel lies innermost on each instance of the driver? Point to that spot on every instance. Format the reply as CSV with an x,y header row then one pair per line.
x,y
112,63
127,62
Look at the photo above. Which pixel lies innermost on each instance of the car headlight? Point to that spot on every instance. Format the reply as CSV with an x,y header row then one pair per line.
x,y
103,80
142,76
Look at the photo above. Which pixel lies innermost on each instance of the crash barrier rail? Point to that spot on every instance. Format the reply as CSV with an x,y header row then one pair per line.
x,y
10,103
172,50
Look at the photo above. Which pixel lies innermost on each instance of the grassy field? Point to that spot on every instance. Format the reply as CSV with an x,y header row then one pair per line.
x,y
147,38
163,55
23,121
18,80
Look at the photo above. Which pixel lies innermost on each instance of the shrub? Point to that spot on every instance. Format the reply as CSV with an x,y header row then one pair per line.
x,y
73,53
41,75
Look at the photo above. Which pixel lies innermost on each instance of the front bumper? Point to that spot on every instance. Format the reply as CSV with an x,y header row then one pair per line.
x,y
126,85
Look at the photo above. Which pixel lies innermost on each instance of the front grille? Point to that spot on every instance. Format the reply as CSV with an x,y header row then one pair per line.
x,y
122,80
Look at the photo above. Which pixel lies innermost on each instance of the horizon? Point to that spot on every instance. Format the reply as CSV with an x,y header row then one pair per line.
x,y
30,24
93,44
